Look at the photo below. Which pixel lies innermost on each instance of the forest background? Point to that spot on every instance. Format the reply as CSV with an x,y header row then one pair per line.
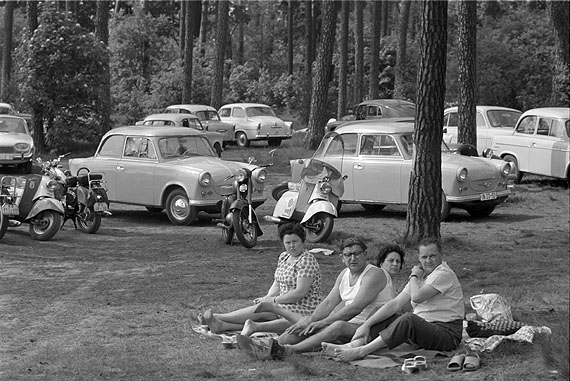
x,y
59,73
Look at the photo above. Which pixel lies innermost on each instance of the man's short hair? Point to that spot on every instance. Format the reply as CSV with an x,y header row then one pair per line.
x,y
353,241
430,241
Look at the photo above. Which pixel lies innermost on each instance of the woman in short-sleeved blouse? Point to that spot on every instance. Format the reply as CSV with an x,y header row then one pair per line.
x,y
296,287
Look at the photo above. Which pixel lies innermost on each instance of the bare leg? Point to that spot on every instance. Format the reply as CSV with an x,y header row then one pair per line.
x,y
350,354
339,330
234,321
332,349
292,317
277,326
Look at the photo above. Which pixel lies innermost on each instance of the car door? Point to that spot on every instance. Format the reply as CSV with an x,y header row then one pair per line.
x,y
377,171
135,172
521,141
450,126
106,161
543,150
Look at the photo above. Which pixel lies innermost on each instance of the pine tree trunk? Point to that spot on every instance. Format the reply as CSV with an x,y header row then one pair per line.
x,y
559,11
222,30
424,204
359,51
467,35
374,49
401,60
189,29
5,76
102,33
343,60
308,83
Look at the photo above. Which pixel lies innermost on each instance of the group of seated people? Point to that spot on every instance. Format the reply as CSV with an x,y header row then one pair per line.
x,y
362,312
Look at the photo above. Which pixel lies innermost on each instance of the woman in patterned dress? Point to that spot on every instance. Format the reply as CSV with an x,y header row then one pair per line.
x,y
296,287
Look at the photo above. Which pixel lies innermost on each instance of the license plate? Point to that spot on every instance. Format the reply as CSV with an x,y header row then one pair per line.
x,y
6,156
10,210
488,196
100,207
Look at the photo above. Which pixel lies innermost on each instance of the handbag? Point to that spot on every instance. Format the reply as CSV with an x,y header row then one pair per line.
x,y
491,307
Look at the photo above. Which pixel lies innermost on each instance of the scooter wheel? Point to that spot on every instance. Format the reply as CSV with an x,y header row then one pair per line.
x,y
3,224
45,225
319,227
88,221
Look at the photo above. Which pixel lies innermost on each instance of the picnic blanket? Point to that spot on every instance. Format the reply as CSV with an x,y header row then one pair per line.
x,y
524,334
228,338
386,358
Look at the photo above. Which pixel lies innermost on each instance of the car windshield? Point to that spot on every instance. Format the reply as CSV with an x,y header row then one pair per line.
x,y
12,125
259,111
159,123
401,110
503,118
177,147
407,143
207,115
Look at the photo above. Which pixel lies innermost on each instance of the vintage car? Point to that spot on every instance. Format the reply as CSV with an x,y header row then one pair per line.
x,y
16,143
490,121
172,168
216,139
209,118
539,144
255,122
377,109
377,158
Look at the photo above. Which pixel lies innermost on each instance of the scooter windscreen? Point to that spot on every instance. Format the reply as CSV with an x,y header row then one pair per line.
x,y
315,171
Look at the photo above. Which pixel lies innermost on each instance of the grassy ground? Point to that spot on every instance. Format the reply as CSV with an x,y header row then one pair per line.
x,y
120,304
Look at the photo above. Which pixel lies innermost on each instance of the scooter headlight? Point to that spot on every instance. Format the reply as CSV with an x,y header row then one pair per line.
x,y
260,174
52,185
325,187
240,175
205,179
243,188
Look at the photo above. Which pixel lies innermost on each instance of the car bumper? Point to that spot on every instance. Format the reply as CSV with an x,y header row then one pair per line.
x,y
15,158
480,199
277,136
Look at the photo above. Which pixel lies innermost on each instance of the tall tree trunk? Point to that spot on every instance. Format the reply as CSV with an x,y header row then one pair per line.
x,y
359,50
241,37
424,204
385,13
5,76
204,28
559,11
308,82
401,60
102,33
343,59
182,27
221,33
317,116
374,49
467,35
36,108
290,38
189,9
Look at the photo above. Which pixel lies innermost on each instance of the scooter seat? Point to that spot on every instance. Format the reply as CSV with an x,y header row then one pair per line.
x,y
84,179
71,181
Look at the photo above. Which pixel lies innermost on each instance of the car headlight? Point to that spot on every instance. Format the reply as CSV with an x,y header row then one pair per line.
x,y
462,175
325,187
260,174
240,175
21,147
205,179
506,170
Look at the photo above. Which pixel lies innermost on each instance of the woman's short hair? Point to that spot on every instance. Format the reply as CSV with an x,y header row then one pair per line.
x,y
387,249
351,242
291,228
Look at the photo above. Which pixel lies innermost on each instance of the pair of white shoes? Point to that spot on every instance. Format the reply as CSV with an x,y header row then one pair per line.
x,y
413,365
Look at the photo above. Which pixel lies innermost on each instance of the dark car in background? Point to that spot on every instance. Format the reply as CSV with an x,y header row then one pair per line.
x,y
377,109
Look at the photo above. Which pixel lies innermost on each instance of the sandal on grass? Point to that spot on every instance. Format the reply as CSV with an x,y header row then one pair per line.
x,y
472,362
409,366
201,319
456,362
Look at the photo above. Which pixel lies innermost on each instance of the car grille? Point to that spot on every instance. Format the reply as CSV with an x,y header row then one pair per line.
x,y
483,185
7,150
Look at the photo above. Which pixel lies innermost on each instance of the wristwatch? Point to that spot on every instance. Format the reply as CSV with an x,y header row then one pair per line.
x,y
413,275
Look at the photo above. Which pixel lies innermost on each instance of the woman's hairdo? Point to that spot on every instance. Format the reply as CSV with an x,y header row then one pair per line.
x,y
351,242
291,228
387,249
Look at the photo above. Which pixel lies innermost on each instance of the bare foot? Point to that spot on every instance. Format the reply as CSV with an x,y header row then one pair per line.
x,y
263,307
201,319
249,327
215,324
332,349
349,354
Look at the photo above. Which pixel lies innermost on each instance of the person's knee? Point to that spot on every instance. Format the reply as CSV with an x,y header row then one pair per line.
x,y
286,338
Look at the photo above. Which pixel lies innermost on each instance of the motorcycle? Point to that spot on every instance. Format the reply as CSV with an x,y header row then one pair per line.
x,y
238,210
84,196
31,199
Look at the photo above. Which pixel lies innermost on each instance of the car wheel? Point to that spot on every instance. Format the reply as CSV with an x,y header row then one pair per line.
x,y
373,208
3,224
274,142
242,140
218,149
481,212
319,227
45,225
179,211
518,175
278,191
445,208
154,209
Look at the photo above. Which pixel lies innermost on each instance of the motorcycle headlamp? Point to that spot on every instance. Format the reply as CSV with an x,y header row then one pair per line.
x,y
205,179
325,187
240,175
52,185
260,174
243,188
21,147
506,170
462,175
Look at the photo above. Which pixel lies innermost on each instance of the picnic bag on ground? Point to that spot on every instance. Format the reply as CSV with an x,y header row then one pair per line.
x,y
491,307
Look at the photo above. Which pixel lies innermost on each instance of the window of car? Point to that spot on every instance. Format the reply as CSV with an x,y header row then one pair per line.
x,y
526,126
544,126
379,145
238,112
558,130
112,146
184,146
12,125
374,111
451,120
225,112
259,111
350,145
503,118
141,147
479,120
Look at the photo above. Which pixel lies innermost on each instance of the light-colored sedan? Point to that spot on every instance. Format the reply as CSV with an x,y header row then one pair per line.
x,y
539,143
209,118
490,121
186,120
16,143
377,158
172,168
255,122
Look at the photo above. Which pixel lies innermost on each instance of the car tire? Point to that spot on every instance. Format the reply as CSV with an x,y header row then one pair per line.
x,y
373,208
3,224
518,175
445,208
279,190
481,212
241,140
179,211
274,142
218,149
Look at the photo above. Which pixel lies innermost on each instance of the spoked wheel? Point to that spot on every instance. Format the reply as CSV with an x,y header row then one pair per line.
x,y
45,225
3,224
319,227
88,221
228,235
245,231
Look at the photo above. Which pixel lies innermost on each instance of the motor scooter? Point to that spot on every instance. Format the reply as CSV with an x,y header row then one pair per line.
x,y
313,201
238,211
31,199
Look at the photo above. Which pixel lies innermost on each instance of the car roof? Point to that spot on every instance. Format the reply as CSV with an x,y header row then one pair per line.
x,y
555,112
376,126
385,102
483,108
169,116
11,116
193,107
151,131
244,105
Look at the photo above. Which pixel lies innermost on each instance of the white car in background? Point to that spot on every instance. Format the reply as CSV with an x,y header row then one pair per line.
x,y
255,122
539,144
490,120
